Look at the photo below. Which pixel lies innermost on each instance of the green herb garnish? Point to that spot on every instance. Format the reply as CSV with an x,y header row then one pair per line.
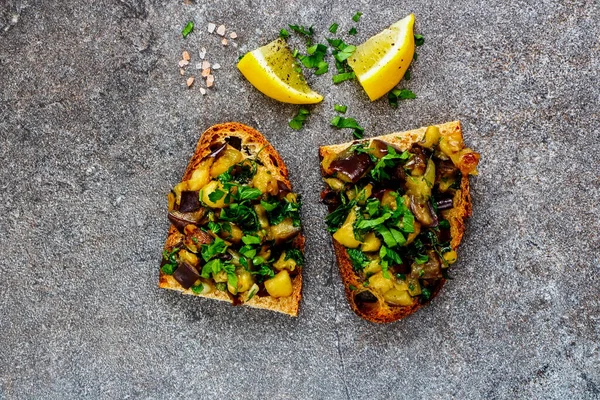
x,y
358,259
301,29
378,172
211,250
216,195
400,94
284,34
340,108
357,16
189,27
298,121
197,289
342,122
419,40
346,76
295,255
352,31
333,28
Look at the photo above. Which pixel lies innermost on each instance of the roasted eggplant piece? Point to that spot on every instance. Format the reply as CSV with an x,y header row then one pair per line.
x,y
180,220
350,166
423,211
186,275
430,269
189,202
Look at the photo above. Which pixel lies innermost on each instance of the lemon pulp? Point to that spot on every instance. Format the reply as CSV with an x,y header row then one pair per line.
x,y
381,61
272,69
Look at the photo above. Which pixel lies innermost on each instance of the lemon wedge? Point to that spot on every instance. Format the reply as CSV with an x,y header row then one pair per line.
x,y
272,70
381,61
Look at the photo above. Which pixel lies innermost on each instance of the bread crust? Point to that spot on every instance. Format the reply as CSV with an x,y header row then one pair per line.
x,y
253,143
382,312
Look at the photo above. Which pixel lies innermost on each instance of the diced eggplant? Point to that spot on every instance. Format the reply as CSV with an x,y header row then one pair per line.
x,y
379,148
351,166
216,149
430,269
235,142
195,237
417,163
186,275
180,220
423,211
284,231
444,204
366,296
330,198
282,190
189,202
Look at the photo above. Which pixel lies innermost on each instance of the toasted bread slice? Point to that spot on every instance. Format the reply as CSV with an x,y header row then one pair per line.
x,y
381,311
253,145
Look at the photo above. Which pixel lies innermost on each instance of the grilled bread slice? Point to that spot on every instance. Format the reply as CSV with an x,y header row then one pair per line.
x,y
235,234
398,205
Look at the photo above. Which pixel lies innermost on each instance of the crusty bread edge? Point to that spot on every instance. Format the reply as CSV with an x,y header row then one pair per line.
x,y
271,159
456,217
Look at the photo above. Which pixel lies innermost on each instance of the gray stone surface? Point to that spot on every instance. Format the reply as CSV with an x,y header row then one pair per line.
x,y
96,125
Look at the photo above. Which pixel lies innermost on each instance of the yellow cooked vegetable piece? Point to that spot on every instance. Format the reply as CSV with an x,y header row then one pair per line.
x,y
188,257
280,285
201,175
210,188
389,199
245,280
345,235
284,231
421,185
431,138
171,200
380,283
282,263
261,213
220,276
335,184
398,297
373,267
450,257
371,243
413,235
230,157
263,180
234,236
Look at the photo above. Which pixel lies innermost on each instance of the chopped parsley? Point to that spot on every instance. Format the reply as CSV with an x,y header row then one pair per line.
x,y
189,27
400,94
197,289
298,121
352,31
421,259
295,255
213,249
358,259
250,239
419,40
284,34
342,122
301,29
333,28
357,16
216,195
379,172
315,58
345,76
340,108
171,265
277,210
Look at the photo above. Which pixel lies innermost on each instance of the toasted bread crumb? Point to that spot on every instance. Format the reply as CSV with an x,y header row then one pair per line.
x,y
211,27
233,35
183,63
224,42
205,64
190,81
203,91
205,72
186,56
210,80
221,30
181,71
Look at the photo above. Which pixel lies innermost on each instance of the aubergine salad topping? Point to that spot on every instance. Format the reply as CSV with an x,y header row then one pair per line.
x,y
390,209
238,224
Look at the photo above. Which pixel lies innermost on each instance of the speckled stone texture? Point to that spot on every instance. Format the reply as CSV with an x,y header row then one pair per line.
x,y
96,125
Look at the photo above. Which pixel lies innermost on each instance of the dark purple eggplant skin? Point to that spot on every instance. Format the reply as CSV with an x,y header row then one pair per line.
x,y
352,165
180,220
330,198
235,142
444,204
282,190
423,211
216,149
186,275
190,201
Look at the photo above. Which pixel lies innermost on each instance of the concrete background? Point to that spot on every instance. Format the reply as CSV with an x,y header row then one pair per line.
x,y
96,125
